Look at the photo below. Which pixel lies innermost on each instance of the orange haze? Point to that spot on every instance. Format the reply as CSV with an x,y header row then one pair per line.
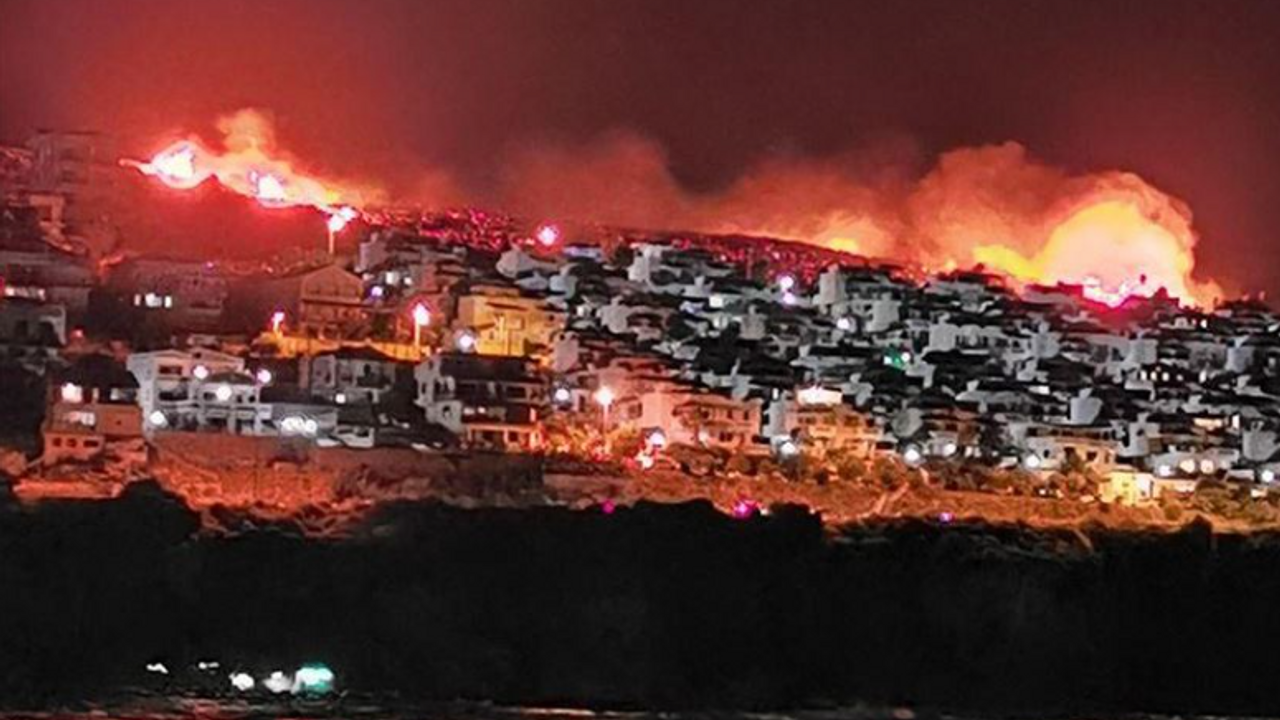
x,y
1111,232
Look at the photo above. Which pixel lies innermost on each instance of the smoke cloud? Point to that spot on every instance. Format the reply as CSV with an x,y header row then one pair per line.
x,y
993,205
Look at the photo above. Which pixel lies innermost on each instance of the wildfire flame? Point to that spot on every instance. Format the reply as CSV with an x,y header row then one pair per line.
x,y
1113,250
1112,234
251,166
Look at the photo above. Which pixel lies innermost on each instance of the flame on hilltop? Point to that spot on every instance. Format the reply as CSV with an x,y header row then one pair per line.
x,y
251,165
1111,233
1114,251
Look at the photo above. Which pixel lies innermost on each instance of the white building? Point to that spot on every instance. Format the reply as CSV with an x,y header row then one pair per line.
x,y
198,389
353,375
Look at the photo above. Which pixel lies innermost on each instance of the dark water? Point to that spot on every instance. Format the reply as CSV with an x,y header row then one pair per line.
x,y
370,708
648,607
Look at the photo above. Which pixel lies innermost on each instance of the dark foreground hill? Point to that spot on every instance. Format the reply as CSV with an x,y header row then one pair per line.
x,y
651,606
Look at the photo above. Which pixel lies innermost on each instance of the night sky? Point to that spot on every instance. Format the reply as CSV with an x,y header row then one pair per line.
x,y
1187,94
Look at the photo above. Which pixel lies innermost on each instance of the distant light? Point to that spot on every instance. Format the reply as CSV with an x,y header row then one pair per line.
x,y
72,393
421,315
789,298
1032,461
377,291
788,448
548,235
1187,466
157,419
604,397
786,282
264,376
945,517
1207,467
201,372
844,323
1164,470
207,665
339,219
561,395
657,439
743,509
608,506
241,681
645,460
277,321
222,393
466,342
912,455
299,425
314,678
1268,475
157,668
949,449
340,398
277,682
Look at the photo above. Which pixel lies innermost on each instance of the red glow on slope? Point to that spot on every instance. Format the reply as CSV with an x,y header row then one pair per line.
x,y
250,165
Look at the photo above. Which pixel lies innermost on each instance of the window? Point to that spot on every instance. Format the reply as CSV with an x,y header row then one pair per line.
x,y
57,442
91,444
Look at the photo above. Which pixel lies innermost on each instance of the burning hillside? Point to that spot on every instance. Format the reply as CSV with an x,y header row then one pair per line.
x,y
251,164
1111,233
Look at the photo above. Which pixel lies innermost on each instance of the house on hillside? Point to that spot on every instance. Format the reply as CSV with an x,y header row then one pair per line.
x,y
488,401
91,403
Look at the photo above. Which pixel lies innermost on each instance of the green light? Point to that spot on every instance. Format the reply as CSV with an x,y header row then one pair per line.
x,y
314,678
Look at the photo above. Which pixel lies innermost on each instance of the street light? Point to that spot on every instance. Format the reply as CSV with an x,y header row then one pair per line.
x,y
277,322
604,397
421,318
548,235
336,222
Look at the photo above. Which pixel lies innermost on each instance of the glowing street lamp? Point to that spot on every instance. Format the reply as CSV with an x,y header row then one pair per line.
x,y
604,397
548,235
466,341
336,222
421,318
277,322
